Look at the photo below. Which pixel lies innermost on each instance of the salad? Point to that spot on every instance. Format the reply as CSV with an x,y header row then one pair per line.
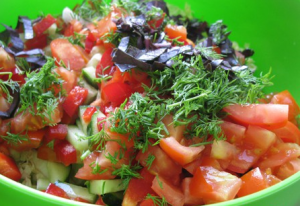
x,y
130,104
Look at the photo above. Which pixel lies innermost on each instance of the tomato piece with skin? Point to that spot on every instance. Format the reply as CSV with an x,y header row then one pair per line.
x,y
252,182
268,116
285,97
75,98
90,42
4,149
162,165
156,22
40,27
66,52
189,199
138,188
289,133
8,168
65,153
234,133
38,42
288,169
69,77
105,64
279,154
100,201
58,131
88,113
34,141
179,153
213,185
87,172
147,202
7,62
116,93
57,191
174,31
176,132
44,152
167,190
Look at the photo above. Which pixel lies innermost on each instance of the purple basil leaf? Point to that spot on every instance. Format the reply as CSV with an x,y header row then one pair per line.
x,y
152,54
28,30
14,105
247,52
226,47
30,52
18,44
124,43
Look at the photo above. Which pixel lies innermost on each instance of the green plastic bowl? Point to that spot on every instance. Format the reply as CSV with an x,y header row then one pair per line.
x,y
270,27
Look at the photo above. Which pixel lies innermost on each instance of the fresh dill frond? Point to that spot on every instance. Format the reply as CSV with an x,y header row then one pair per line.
x,y
149,161
219,32
90,10
11,138
158,201
208,52
126,172
77,39
35,95
8,87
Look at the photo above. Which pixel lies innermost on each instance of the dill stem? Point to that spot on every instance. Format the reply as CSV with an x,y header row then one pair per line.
x,y
188,100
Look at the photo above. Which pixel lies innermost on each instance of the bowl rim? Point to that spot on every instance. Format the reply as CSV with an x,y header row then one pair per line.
x,y
249,198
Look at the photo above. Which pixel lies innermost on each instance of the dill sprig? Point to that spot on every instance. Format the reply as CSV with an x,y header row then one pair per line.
x,y
11,138
157,200
92,9
7,87
126,172
36,96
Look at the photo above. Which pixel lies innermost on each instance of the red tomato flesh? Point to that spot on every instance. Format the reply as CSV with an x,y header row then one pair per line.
x,y
75,98
65,153
40,27
8,168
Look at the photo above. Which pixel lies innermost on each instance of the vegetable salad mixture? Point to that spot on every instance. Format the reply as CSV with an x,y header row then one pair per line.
x,y
137,104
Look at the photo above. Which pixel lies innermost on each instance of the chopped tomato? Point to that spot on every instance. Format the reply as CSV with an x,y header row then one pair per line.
x,y
279,154
252,182
64,51
288,169
116,93
38,42
285,97
90,42
174,31
162,164
147,202
58,131
44,152
234,133
57,191
75,98
72,27
289,133
7,62
100,201
179,153
65,153
4,148
89,170
138,188
105,65
165,189
156,22
271,179
106,24
189,199
9,168
176,132
269,116
69,77
40,27
213,185
88,113
100,124
34,140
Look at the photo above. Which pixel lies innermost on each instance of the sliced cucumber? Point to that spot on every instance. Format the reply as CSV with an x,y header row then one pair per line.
x,y
93,125
41,165
83,123
42,184
89,74
94,61
92,92
58,171
74,191
79,125
113,199
75,137
101,187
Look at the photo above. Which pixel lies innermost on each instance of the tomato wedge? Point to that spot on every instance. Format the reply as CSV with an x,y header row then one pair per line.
x,y
9,168
288,133
269,116
179,153
64,51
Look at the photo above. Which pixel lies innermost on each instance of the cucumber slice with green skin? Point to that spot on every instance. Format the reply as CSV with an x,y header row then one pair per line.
x,y
94,61
93,125
75,137
89,74
101,187
113,199
79,125
74,191
41,165
83,123
92,92
42,184
58,171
